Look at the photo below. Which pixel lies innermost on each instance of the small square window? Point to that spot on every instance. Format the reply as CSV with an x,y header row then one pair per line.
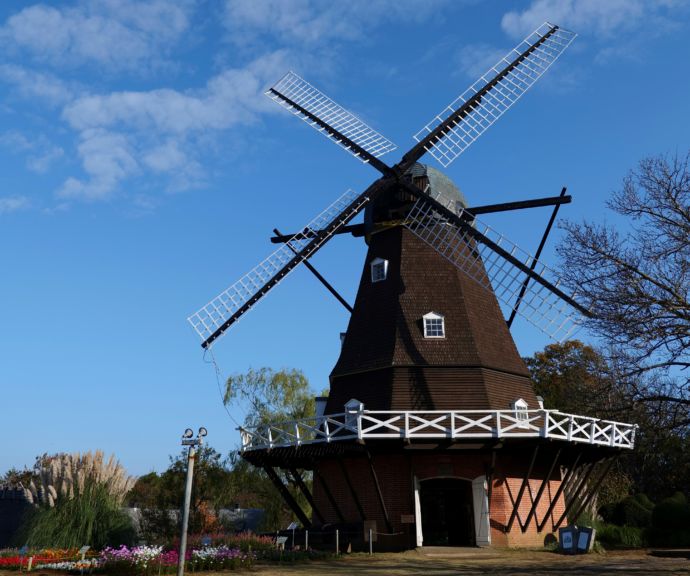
x,y
379,269
434,326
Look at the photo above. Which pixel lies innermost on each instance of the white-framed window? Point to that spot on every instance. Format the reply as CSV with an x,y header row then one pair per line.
x,y
434,325
379,269
353,408
520,407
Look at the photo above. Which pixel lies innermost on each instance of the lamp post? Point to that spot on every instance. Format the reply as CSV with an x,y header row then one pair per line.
x,y
187,440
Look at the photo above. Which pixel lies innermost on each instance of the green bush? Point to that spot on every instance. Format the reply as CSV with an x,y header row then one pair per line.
x,y
671,522
631,511
613,536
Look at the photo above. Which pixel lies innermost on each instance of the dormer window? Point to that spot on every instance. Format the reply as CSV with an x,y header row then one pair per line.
x,y
521,415
379,269
434,325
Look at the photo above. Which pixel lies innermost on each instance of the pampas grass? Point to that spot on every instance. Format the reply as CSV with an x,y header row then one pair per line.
x,y
78,500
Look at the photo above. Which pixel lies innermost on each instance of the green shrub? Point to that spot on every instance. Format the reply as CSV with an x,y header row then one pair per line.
x,y
613,536
631,511
671,522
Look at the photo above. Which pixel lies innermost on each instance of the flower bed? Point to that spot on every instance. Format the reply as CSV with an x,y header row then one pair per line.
x,y
125,561
153,559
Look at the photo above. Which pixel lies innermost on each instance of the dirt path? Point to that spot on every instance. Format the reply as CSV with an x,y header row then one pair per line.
x,y
510,562
471,562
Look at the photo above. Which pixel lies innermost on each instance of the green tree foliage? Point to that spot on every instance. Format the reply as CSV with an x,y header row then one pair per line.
x,y
576,378
214,487
272,395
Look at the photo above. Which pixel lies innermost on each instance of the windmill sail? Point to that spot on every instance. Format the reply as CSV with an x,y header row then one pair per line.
x,y
322,113
466,118
213,319
499,266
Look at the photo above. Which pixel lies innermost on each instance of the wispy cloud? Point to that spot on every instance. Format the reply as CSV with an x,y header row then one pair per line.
x,y
163,128
317,22
118,34
30,83
13,204
475,59
40,152
599,17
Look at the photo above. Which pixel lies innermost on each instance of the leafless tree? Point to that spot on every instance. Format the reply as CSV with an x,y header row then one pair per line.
x,y
636,282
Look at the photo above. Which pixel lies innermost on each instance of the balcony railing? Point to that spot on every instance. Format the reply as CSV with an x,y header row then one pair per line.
x,y
450,424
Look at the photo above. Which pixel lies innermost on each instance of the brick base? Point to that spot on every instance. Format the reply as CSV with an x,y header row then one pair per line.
x,y
390,508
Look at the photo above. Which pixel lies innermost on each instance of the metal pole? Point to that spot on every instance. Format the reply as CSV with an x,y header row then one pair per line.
x,y
337,542
185,509
306,539
192,443
371,551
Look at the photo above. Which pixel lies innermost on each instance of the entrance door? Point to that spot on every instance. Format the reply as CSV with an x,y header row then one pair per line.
x,y
447,512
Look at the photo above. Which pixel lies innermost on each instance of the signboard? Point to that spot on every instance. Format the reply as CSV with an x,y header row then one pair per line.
x,y
407,518
280,542
83,550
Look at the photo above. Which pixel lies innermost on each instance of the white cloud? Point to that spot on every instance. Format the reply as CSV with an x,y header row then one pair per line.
x,y
118,34
108,159
30,83
318,21
164,128
13,204
604,17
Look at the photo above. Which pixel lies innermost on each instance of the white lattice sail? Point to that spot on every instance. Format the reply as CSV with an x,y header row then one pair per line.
x,y
293,87
253,285
540,306
501,90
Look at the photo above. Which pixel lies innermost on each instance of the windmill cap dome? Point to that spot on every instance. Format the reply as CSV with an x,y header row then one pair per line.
x,y
440,186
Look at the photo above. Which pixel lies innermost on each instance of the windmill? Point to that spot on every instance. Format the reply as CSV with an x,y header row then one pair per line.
x,y
431,432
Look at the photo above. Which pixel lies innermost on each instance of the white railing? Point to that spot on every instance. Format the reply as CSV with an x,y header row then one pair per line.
x,y
453,424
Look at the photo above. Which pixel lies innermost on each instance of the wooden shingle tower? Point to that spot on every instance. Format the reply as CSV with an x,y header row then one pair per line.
x,y
431,433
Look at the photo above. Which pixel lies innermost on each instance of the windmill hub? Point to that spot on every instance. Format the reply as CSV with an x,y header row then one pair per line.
x,y
393,206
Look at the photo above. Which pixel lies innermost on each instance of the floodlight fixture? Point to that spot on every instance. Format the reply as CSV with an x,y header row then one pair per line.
x,y
202,432
188,433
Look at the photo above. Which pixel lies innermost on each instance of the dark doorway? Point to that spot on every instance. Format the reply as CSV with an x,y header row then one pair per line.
x,y
447,514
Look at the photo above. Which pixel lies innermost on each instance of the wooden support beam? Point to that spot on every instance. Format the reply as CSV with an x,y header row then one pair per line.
x,y
555,498
523,288
576,496
285,493
543,486
353,493
520,205
525,481
329,495
307,494
321,279
379,493
594,489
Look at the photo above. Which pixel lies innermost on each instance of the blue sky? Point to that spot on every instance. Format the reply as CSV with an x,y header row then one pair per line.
x,y
142,170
